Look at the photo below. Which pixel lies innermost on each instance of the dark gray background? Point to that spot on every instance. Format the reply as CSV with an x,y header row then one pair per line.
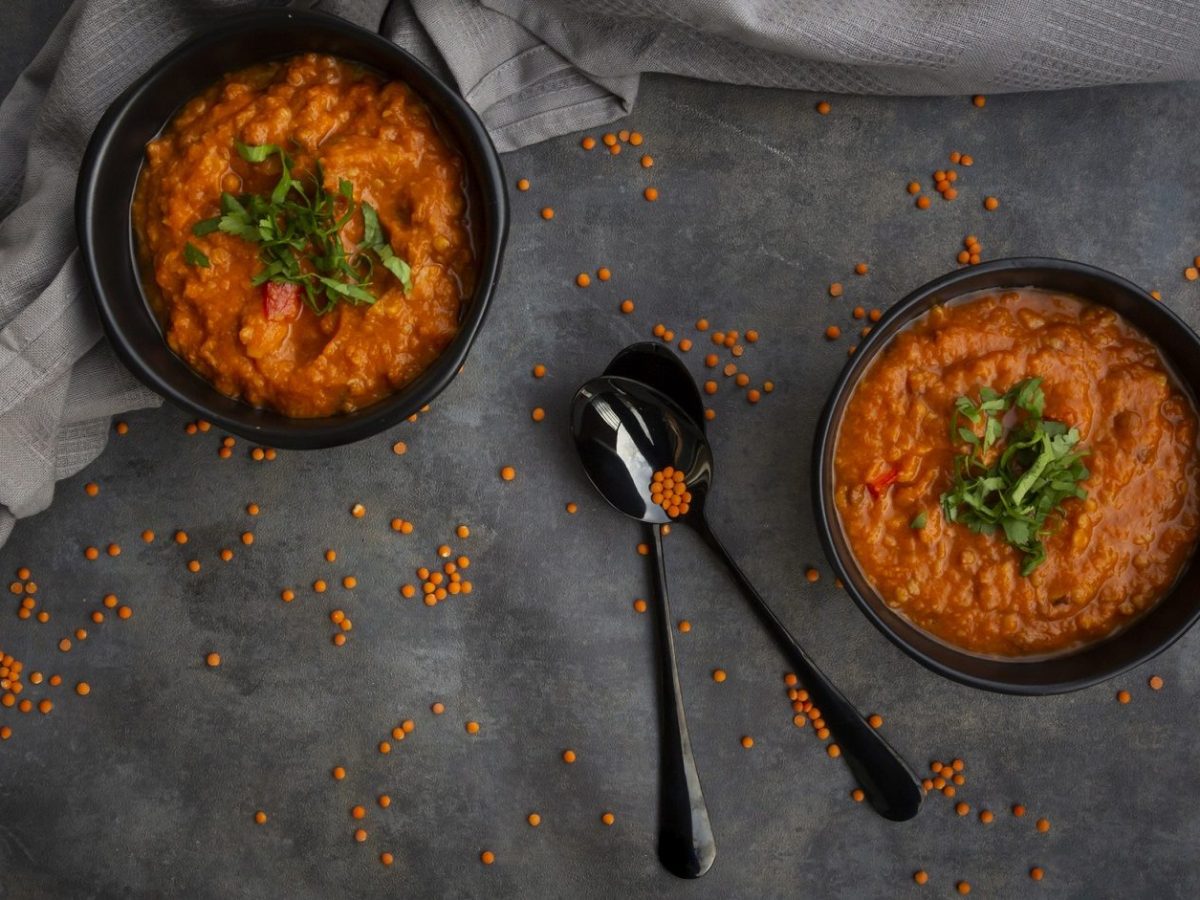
x,y
148,786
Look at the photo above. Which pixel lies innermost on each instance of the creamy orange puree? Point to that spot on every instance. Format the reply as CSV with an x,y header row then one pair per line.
x,y
374,133
1111,557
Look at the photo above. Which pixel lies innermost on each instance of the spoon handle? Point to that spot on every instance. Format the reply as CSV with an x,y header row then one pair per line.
x,y
685,840
891,786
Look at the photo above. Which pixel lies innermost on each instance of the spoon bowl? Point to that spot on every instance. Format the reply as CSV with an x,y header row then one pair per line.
x,y
626,431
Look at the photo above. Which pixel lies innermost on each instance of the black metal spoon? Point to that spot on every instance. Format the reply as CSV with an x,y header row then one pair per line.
x,y
685,840
625,431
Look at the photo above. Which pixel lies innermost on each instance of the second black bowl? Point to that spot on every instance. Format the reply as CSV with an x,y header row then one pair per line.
x,y
109,174
1148,635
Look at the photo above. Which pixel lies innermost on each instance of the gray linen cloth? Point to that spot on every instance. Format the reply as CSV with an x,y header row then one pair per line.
x,y
532,70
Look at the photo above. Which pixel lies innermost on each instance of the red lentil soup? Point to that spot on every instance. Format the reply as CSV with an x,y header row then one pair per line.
x,y
340,124
1109,557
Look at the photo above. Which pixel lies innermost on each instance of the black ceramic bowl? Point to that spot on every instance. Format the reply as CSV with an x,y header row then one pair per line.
x,y
1148,635
114,158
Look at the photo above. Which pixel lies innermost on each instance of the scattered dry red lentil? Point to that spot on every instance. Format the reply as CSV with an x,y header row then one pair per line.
x,y
539,371
835,289
922,203
487,857
588,143
833,332
547,213
626,306
979,100
920,876
533,819
1043,825
522,184
260,817
990,203
1123,696
1156,682
963,887
1037,873
823,107
583,279
650,194
647,161
747,741
508,473
569,756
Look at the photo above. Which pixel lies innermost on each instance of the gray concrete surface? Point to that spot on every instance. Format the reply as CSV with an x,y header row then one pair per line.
x,y
147,787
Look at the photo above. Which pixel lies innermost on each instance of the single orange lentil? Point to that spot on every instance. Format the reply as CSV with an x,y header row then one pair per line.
x,y
438,708
122,428
583,279
1191,273
384,801
962,808
360,835
508,473
963,887
572,508
812,575
569,756
487,857
835,289
260,818
588,143
386,858
1043,825
148,536
861,269
339,772
650,194
1037,873
522,184
990,203
213,660
986,816
91,553
64,645
1156,682
914,187
639,605
922,203
1123,696
83,689
472,728
1018,810
538,414
647,161
608,818
91,489
833,332
547,213
719,675
747,742
685,345
833,750
114,549
875,720
823,107
875,315
684,626
626,306
385,747
753,396
45,706
979,100
920,876
858,795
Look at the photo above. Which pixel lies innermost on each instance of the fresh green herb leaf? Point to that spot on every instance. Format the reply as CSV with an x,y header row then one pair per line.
x,y
206,226
298,229
919,520
1020,488
194,256
255,153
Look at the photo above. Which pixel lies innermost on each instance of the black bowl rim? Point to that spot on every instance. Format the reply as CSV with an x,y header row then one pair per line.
x,y
333,430
826,518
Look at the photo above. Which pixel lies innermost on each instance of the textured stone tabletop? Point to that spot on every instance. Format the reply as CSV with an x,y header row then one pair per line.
x,y
148,786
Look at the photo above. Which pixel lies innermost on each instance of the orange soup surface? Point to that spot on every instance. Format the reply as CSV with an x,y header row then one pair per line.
x,y
1109,557
378,136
